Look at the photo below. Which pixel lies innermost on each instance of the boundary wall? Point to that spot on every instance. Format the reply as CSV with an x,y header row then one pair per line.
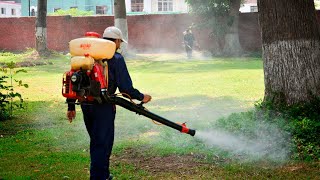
x,y
147,33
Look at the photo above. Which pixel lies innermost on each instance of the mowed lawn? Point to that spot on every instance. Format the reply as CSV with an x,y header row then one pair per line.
x,y
41,144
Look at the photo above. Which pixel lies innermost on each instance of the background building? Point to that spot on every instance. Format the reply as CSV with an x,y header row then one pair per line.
x,y
156,6
10,9
104,7
249,6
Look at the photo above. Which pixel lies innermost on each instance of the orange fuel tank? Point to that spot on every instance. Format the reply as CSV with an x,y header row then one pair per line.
x,y
95,47
82,62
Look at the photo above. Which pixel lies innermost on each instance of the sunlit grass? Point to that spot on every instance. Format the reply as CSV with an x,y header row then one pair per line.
x,y
41,144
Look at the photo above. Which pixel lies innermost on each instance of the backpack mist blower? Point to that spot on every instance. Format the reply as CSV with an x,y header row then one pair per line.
x,y
87,80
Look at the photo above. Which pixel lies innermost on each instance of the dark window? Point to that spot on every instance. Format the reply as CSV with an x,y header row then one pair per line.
x,y
165,5
3,10
101,9
13,12
253,8
136,5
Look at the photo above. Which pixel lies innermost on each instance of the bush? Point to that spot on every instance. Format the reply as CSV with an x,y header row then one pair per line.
x,y
306,136
303,124
4,113
71,12
294,128
7,93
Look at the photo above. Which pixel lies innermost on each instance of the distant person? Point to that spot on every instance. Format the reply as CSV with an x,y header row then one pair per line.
x,y
33,12
188,39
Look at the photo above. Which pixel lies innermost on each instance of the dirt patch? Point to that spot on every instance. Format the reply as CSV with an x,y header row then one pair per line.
x,y
35,56
185,164
33,59
28,64
302,167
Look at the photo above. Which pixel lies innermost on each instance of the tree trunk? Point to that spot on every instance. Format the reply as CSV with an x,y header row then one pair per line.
x,y
291,51
41,28
120,21
231,40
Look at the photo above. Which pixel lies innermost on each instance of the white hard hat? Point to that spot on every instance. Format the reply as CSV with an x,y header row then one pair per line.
x,y
114,33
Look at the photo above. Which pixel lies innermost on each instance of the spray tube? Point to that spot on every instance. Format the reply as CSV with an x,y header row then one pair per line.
x,y
139,109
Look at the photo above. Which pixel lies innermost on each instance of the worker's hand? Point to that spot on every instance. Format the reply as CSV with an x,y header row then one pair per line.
x,y
146,98
71,115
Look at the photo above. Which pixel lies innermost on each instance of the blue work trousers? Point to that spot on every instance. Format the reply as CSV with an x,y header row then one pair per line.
x,y
99,121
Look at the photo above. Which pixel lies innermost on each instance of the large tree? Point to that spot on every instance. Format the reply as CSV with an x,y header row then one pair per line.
x,y
41,28
291,51
120,20
221,17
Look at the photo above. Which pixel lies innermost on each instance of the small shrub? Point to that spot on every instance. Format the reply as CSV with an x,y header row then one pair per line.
x,y
7,93
4,113
6,54
303,123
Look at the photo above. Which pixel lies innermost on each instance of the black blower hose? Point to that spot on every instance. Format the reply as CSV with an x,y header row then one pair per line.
x,y
142,111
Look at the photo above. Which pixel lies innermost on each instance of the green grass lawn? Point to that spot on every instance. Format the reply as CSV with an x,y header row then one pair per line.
x,y
41,144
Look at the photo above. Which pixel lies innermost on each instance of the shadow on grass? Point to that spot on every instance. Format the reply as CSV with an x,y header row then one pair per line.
x,y
46,146
48,121
198,111
35,115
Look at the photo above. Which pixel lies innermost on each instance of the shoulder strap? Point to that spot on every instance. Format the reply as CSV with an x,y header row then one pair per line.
x,y
106,71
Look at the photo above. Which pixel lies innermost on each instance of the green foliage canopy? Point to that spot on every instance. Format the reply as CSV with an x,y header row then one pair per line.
x,y
214,14
71,12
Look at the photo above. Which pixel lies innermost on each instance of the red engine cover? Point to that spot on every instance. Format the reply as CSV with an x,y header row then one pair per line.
x,y
67,86
98,75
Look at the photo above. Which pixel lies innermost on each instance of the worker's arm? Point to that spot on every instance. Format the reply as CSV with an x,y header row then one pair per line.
x,y
71,113
124,82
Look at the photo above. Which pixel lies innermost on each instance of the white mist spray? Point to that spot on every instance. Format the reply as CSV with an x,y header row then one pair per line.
x,y
266,142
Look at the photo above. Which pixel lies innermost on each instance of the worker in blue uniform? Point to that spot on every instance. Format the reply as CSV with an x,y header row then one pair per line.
x,y
99,118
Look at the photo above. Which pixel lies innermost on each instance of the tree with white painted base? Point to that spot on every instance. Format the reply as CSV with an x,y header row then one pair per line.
x,y
221,17
120,21
291,51
41,28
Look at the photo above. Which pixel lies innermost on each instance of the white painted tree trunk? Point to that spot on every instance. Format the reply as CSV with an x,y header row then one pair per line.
x,y
231,40
122,24
292,70
41,28
120,21
232,44
41,39
291,51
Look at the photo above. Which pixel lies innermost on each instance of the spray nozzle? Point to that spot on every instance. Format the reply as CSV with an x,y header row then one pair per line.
x,y
186,130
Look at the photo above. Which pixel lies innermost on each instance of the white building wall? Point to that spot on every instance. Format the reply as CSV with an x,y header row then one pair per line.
x,y
246,7
7,6
128,5
154,6
180,6
151,6
147,6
